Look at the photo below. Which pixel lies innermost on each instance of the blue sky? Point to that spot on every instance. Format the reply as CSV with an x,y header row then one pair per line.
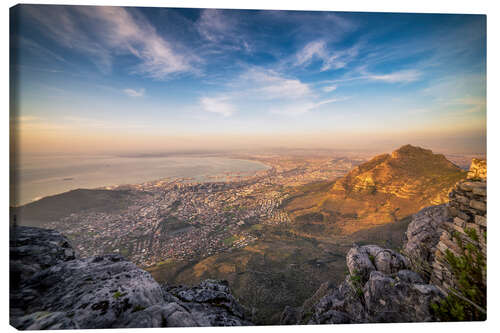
x,y
113,78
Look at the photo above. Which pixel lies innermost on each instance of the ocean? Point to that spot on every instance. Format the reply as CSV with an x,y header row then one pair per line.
x,y
38,176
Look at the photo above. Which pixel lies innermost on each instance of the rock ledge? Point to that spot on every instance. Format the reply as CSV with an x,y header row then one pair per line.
x,y
53,289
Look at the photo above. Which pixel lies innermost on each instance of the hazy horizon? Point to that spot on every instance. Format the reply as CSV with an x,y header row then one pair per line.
x,y
114,79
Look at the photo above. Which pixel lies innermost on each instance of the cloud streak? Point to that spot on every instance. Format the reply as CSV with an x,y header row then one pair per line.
x,y
222,31
403,76
114,31
318,50
134,93
304,106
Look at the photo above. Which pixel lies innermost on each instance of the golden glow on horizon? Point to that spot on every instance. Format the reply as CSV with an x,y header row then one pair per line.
x,y
31,134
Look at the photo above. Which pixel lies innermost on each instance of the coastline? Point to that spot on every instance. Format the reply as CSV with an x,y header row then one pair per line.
x,y
216,176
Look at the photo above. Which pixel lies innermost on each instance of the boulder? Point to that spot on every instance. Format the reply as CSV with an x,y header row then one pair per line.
x,y
362,260
379,289
96,292
210,303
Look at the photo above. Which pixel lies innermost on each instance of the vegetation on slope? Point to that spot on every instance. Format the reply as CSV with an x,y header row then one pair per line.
x,y
466,302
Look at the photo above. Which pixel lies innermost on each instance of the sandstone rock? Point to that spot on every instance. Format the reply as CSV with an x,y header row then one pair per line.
x,y
481,220
466,186
479,189
462,199
365,259
423,236
478,169
478,205
458,221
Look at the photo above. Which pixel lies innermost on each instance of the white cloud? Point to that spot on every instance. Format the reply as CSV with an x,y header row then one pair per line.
x,y
330,59
107,31
217,105
330,88
222,30
303,107
271,85
134,93
212,25
311,50
270,91
403,76
328,101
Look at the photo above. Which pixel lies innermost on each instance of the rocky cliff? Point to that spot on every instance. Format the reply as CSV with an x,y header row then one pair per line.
x,y
51,288
380,288
440,274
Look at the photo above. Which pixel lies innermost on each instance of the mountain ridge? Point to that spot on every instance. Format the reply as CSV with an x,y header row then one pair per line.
x,y
385,189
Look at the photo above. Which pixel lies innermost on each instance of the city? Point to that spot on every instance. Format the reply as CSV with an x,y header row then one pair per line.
x,y
177,219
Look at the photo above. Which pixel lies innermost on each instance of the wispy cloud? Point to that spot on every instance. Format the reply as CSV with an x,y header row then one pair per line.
x,y
272,91
220,105
134,93
110,31
270,84
222,30
318,50
360,74
403,76
41,51
303,107
212,25
330,88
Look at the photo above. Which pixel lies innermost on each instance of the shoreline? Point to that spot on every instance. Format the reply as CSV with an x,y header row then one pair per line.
x,y
219,177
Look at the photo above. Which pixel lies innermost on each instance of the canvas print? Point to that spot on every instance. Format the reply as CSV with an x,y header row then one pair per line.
x,y
221,167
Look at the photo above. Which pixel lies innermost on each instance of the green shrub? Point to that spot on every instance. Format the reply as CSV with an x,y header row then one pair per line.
x,y
356,281
468,301
118,294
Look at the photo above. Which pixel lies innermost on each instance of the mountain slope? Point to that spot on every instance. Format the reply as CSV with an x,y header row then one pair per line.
x,y
385,189
57,206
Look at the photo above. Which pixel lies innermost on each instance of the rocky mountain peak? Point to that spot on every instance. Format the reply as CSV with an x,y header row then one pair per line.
x,y
410,151
387,188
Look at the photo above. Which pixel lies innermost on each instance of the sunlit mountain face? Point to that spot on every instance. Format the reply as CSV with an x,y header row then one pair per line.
x,y
123,79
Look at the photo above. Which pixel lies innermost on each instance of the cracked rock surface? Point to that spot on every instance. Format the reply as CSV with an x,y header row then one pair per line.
x,y
52,289
380,288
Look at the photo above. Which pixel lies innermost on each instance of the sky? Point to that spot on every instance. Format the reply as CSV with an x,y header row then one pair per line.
x,y
115,79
